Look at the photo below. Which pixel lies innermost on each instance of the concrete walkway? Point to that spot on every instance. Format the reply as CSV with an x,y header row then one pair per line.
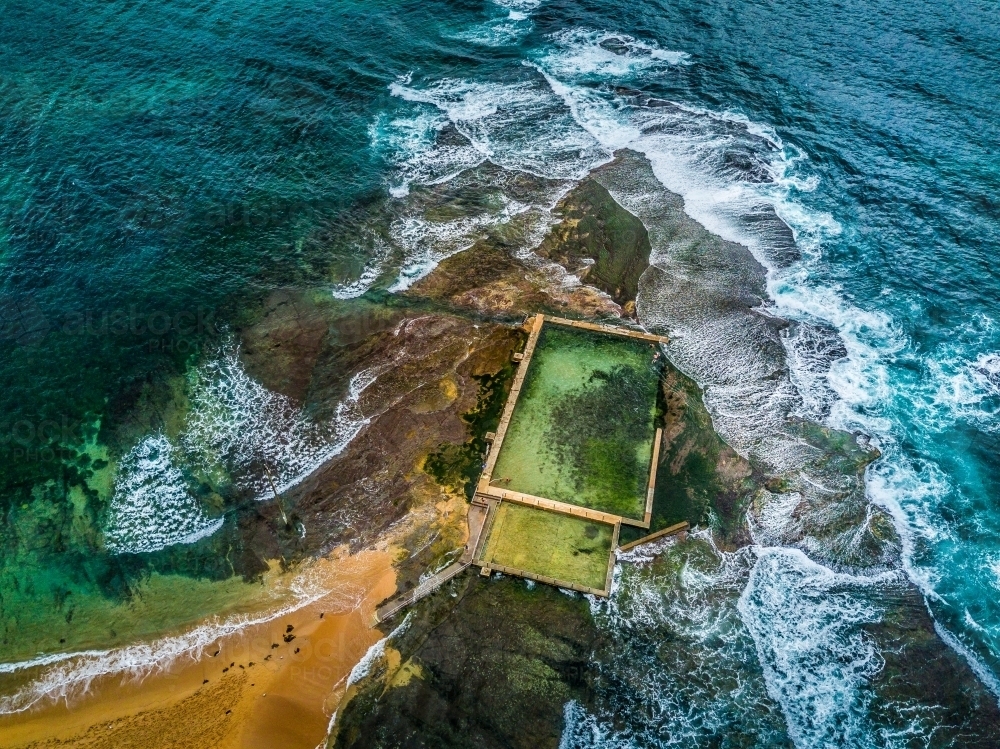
x,y
563,508
428,586
679,528
478,512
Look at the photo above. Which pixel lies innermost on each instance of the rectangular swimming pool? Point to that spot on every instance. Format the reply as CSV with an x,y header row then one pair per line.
x,y
549,544
583,424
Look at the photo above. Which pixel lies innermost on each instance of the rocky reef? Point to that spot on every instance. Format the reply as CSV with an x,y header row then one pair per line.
x,y
483,663
499,663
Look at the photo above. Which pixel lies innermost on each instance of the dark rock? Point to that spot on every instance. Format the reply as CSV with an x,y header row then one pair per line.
x,y
496,666
599,240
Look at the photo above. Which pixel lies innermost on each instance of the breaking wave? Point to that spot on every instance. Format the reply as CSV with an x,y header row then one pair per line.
x,y
681,669
151,507
237,430
66,676
808,626
583,96
263,438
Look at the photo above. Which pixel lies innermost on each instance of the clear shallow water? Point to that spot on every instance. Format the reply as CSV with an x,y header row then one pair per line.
x,y
183,157
583,427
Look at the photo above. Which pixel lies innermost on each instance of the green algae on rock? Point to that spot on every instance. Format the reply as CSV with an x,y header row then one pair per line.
x,y
700,478
498,661
457,467
598,239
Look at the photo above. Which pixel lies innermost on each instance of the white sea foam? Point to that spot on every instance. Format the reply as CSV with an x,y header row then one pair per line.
x,y
151,507
960,388
808,626
583,730
238,423
498,32
412,144
501,121
509,27
813,351
772,519
974,660
606,56
521,6
368,661
375,653
260,438
477,122
683,669
427,243
378,255
67,676
993,565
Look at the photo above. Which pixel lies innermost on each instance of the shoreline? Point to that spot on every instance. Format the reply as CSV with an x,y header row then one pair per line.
x,y
378,489
207,701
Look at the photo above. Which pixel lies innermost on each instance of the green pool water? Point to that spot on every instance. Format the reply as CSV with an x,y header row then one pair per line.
x,y
563,547
582,430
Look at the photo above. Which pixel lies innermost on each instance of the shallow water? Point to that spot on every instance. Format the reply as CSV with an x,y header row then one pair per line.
x,y
563,547
583,424
161,165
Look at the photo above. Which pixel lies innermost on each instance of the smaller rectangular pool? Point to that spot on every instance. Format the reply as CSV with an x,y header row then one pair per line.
x,y
565,548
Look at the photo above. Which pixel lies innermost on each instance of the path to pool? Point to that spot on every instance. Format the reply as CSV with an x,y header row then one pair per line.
x,y
488,499
478,513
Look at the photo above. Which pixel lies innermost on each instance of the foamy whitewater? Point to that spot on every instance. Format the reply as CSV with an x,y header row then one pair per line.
x,y
851,155
68,676
576,100
237,430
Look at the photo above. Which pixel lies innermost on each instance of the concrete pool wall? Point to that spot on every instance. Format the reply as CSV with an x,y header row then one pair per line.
x,y
569,545
579,424
575,452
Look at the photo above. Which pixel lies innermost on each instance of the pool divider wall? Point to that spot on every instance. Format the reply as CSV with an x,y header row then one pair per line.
x,y
554,505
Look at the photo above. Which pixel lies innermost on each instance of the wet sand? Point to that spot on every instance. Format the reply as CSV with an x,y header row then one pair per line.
x,y
284,700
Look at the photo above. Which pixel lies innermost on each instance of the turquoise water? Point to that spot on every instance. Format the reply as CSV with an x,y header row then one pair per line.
x,y
162,166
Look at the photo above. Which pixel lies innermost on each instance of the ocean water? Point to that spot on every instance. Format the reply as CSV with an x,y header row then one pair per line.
x,y
164,165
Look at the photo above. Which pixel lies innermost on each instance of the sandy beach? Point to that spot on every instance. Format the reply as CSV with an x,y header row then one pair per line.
x,y
269,685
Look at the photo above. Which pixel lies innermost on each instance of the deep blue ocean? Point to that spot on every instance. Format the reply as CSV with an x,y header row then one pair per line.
x,y
163,165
